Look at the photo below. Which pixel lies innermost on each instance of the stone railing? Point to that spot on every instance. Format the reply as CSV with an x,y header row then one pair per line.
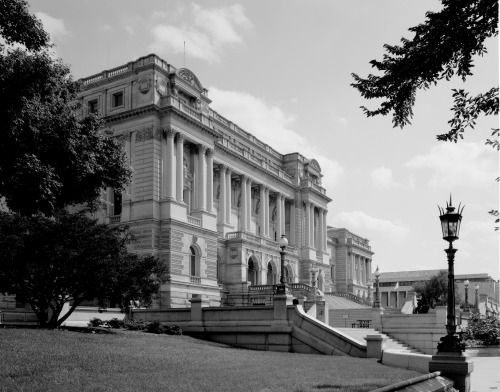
x,y
301,286
360,243
351,297
195,279
262,287
241,235
191,111
194,221
114,219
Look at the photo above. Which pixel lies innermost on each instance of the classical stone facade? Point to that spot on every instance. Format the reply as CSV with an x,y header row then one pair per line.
x,y
212,200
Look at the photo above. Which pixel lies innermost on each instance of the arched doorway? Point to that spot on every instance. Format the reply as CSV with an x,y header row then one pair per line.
x,y
271,274
252,271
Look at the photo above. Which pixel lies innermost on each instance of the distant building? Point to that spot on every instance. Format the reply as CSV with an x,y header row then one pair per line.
x,y
395,287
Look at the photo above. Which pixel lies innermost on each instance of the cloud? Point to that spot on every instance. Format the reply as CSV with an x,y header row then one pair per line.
x,y
382,178
206,33
452,164
271,125
361,223
55,27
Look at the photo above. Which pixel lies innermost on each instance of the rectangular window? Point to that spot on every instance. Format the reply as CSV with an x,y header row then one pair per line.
x,y
118,99
93,106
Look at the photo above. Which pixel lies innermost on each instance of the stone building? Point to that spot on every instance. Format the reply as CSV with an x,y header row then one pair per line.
x,y
211,199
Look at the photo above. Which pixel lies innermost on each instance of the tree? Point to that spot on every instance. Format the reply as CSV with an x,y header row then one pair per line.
x,y
433,292
49,157
52,262
443,46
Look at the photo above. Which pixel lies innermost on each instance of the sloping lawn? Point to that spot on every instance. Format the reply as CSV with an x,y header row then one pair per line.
x,y
43,360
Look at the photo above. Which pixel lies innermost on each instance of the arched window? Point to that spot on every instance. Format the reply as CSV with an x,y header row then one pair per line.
x,y
271,274
194,269
252,272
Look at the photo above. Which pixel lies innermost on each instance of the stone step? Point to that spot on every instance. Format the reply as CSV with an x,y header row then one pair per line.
x,y
390,343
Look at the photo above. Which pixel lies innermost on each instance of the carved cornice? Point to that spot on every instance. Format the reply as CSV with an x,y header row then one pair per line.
x,y
148,134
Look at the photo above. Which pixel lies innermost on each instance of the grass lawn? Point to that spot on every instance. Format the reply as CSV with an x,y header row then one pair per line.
x,y
44,360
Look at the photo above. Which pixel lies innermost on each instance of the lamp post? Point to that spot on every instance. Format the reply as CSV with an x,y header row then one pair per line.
x,y
476,298
450,225
376,303
369,284
283,243
466,287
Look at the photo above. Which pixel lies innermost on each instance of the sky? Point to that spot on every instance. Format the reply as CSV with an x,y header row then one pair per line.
x,y
281,70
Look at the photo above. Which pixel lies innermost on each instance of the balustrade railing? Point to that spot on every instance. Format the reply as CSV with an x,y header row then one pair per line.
x,y
114,219
195,279
352,297
262,287
301,286
194,221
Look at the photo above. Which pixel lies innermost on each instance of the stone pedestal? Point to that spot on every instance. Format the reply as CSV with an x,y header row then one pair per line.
x,y
454,366
322,311
375,344
197,303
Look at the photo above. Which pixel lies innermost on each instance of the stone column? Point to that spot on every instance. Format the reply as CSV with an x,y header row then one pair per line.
x,y
201,192
283,220
170,189
311,225
164,159
266,214
222,194
320,230
109,199
249,204
307,236
293,233
325,231
180,168
210,180
243,206
228,195
278,216
262,212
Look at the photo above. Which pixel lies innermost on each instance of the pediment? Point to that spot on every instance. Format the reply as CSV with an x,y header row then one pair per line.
x,y
189,77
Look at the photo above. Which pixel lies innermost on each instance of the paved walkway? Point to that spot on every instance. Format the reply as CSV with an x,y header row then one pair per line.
x,y
486,374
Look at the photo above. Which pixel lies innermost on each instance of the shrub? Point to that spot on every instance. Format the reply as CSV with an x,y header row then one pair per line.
x,y
95,322
116,323
485,331
173,330
154,327
134,325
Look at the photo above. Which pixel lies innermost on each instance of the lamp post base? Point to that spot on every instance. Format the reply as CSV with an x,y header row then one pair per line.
x,y
450,344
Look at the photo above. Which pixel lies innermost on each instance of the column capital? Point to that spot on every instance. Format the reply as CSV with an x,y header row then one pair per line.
x,y
180,138
202,149
170,132
210,152
222,168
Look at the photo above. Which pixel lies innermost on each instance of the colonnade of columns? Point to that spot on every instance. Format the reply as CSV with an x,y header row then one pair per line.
x,y
173,172
246,183
361,268
310,232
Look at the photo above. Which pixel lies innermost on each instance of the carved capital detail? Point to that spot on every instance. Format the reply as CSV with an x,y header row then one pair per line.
x,y
210,152
170,132
180,138
144,134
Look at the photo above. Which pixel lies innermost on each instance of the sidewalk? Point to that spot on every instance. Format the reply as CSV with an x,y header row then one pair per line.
x,y
486,374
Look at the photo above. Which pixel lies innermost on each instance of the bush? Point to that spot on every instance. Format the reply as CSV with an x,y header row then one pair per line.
x,y
158,328
95,322
116,323
134,325
483,332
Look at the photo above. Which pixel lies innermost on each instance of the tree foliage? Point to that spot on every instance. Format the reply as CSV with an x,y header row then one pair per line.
x,y
17,25
433,292
49,158
52,262
442,47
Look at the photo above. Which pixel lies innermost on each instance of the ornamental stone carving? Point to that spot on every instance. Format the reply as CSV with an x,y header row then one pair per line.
x,y
162,87
147,134
189,77
144,85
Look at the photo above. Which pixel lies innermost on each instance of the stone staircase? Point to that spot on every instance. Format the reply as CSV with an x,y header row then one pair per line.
x,y
390,343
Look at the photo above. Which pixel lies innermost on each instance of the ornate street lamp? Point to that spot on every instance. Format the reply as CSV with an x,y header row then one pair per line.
x,y
476,298
466,286
450,225
376,303
283,243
